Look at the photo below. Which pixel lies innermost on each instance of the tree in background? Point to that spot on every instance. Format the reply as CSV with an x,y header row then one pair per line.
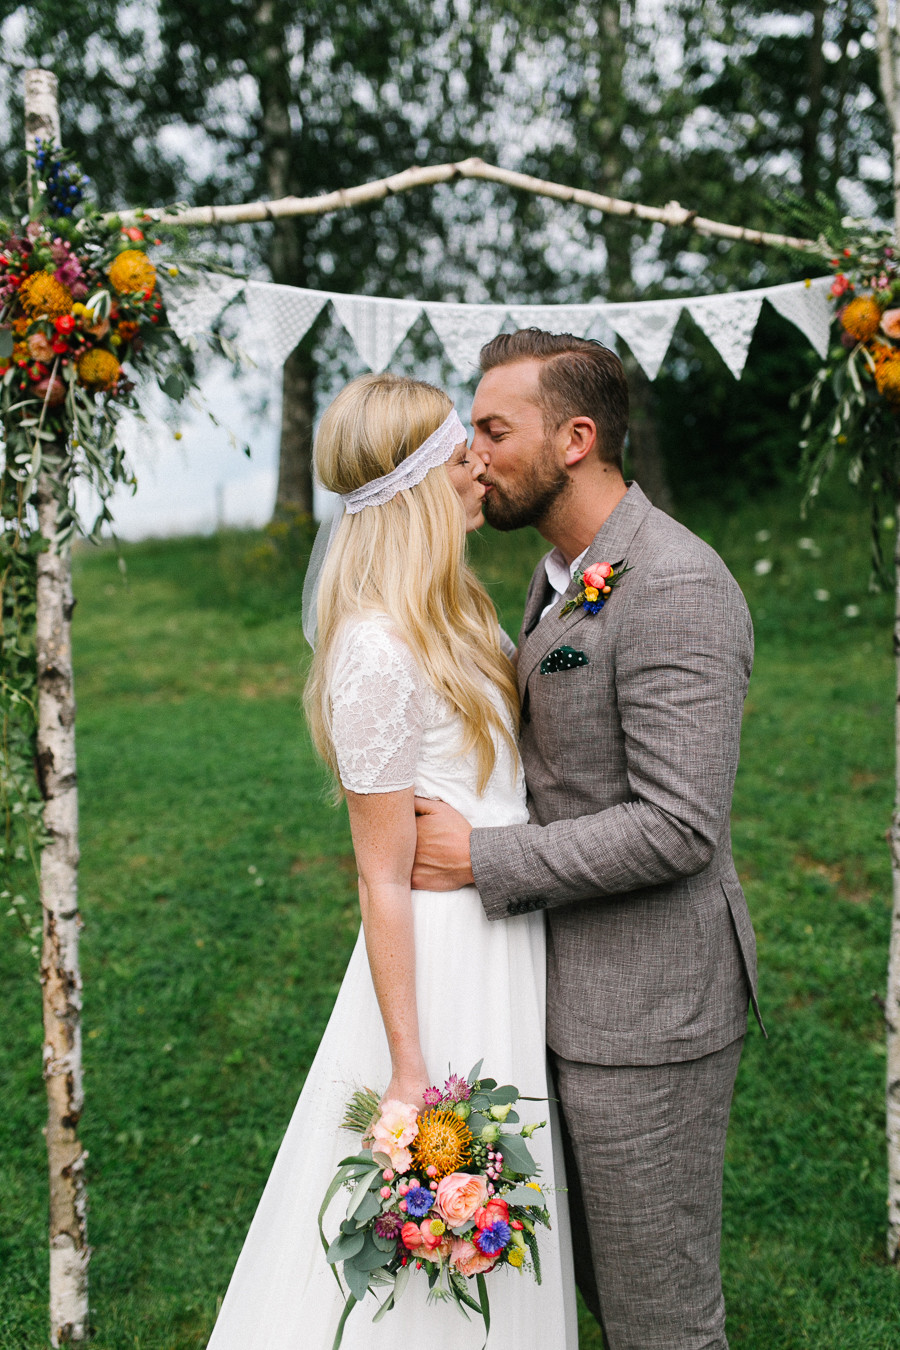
x,y
718,103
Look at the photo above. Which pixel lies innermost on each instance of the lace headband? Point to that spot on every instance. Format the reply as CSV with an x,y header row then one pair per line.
x,y
436,450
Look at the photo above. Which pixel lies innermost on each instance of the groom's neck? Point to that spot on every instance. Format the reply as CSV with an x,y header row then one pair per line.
x,y
579,513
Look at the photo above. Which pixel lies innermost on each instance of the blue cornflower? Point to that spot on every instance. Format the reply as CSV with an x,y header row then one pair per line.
x,y
593,606
493,1239
419,1201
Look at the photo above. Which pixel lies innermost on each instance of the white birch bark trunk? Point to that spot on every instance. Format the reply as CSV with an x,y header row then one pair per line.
x,y
889,67
60,974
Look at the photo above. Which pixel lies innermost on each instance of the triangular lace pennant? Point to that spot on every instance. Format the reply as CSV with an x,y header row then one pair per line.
x,y
464,329
279,318
729,322
574,319
647,326
377,326
806,305
194,300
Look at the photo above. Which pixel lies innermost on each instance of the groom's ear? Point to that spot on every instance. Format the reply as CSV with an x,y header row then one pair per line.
x,y
581,433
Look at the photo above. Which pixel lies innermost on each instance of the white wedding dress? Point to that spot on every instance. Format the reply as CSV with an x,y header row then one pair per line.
x,y
480,994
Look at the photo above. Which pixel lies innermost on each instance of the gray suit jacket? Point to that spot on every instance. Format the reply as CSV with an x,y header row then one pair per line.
x,y
630,762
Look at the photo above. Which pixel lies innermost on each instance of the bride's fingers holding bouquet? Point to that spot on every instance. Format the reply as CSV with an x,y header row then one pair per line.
x,y
408,1087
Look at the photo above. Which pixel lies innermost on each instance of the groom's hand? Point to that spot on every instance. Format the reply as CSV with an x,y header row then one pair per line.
x,y
442,861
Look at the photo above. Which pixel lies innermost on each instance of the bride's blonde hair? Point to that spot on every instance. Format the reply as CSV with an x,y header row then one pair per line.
x,y
407,559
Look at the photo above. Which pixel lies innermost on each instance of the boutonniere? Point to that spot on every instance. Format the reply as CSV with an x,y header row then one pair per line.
x,y
596,584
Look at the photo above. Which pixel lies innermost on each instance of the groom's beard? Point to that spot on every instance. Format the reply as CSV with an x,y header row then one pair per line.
x,y
528,499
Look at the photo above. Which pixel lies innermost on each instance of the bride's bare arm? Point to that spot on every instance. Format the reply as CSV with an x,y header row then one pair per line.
x,y
383,825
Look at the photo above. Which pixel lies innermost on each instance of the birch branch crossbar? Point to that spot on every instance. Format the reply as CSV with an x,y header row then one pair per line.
x,y
673,215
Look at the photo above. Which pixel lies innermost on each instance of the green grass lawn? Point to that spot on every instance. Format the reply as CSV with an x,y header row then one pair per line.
x,y
219,903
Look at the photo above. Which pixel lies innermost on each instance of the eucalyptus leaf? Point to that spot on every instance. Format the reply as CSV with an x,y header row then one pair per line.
x,y
369,1206
344,1246
516,1156
357,1280
472,1076
503,1096
384,1309
369,1257
7,342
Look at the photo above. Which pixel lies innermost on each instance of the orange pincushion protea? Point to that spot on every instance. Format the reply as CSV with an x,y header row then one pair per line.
x,y
887,377
98,368
43,295
443,1142
862,318
132,272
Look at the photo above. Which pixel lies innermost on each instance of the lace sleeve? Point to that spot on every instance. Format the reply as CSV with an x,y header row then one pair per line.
x,y
377,705
508,647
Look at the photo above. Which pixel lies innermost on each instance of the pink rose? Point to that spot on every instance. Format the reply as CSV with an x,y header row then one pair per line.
x,y
469,1260
421,1239
395,1128
411,1235
458,1196
596,575
438,1253
890,323
495,1209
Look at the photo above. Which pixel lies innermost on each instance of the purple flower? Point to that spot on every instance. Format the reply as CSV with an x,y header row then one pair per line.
x,y
388,1225
456,1089
418,1201
493,1239
69,272
432,1096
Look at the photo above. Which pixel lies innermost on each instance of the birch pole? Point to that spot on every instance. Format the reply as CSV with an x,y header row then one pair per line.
x,y
889,69
60,974
673,214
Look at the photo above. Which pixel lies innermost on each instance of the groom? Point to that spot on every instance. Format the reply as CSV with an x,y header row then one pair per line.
x,y
631,722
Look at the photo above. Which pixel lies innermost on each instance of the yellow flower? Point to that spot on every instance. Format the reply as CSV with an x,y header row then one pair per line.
x,y
98,369
515,1256
132,272
438,1227
591,593
43,295
173,271
887,380
861,318
443,1142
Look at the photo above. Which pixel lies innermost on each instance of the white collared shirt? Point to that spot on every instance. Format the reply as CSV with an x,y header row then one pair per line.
x,y
560,574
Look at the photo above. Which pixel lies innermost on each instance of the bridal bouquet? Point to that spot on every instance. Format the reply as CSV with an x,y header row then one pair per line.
x,y
450,1192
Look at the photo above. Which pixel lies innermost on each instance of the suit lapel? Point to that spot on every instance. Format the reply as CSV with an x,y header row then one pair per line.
x,y
610,544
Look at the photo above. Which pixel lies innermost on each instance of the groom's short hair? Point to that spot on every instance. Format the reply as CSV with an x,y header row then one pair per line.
x,y
578,378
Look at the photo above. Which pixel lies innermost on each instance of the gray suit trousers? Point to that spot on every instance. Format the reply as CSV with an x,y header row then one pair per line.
x,y
645,1147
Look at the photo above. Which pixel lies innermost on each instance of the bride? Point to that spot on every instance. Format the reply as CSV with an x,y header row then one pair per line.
x,y
411,692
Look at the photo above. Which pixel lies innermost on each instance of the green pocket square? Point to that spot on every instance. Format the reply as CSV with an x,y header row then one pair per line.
x,y
563,658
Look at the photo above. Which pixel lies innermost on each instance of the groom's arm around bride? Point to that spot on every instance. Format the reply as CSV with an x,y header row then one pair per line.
x,y
630,735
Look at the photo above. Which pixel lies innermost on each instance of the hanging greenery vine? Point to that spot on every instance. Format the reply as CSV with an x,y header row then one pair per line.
x,y
83,330
852,406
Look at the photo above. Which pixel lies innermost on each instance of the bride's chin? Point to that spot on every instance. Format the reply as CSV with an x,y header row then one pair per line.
x,y
475,523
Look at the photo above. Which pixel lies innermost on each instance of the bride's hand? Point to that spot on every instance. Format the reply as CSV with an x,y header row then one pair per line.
x,y
408,1088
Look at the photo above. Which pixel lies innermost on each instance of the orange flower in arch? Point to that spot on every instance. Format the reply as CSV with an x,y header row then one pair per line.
x,y
862,318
